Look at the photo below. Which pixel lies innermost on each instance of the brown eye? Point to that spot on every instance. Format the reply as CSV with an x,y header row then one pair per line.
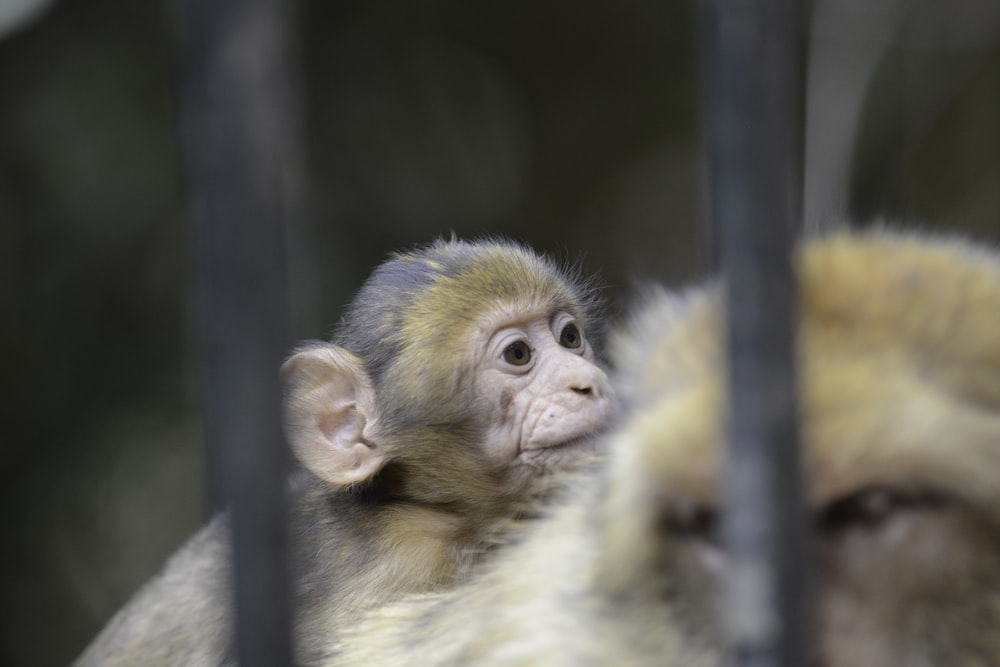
x,y
517,354
570,337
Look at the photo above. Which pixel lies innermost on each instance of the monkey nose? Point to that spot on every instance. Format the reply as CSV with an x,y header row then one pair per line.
x,y
583,378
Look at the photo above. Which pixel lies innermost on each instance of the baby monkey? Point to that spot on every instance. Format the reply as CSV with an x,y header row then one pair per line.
x,y
461,374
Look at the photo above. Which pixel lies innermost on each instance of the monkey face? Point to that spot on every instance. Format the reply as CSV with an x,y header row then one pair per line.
x,y
904,489
903,577
907,578
906,536
540,390
467,365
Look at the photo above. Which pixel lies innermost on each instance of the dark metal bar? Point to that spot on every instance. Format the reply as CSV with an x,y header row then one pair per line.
x,y
756,105
240,150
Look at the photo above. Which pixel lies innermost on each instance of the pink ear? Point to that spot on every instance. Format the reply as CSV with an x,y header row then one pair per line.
x,y
330,414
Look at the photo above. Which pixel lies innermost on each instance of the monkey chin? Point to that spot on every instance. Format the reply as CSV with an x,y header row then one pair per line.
x,y
548,458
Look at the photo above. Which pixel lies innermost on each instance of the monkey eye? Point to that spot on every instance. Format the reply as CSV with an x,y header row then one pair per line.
x,y
570,336
517,353
691,521
870,507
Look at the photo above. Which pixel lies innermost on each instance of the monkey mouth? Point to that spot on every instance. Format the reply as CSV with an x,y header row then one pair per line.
x,y
558,454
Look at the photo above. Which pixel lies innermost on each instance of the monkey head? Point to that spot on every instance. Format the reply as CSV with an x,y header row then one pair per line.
x,y
899,362
456,361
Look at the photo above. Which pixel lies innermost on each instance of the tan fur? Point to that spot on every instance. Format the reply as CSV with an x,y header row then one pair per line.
x,y
160,635
899,348
418,438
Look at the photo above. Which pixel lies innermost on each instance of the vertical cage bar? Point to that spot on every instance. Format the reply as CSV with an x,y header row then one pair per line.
x,y
239,143
756,105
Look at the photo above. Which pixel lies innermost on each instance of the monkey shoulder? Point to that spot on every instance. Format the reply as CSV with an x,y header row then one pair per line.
x,y
180,616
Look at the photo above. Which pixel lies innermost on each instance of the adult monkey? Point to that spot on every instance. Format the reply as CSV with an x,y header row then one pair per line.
x,y
460,375
899,343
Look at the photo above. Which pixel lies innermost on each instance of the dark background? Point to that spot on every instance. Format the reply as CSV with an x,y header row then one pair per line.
x,y
576,127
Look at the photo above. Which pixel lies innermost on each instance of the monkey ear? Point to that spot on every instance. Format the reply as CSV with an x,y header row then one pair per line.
x,y
330,414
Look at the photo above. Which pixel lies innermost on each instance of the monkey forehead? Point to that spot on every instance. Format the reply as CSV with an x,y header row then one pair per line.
x,y
931,304
866,423
899,368
433,291
456,280
462,281
876,421
935,300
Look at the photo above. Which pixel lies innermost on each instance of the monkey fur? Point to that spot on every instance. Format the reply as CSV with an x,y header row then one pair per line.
x,y
460,375
899,364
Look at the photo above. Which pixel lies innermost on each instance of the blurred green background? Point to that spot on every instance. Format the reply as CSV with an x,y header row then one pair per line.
x,y
576,127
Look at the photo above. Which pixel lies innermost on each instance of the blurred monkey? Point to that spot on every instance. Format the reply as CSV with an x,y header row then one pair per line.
x,y
899,347
460,375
